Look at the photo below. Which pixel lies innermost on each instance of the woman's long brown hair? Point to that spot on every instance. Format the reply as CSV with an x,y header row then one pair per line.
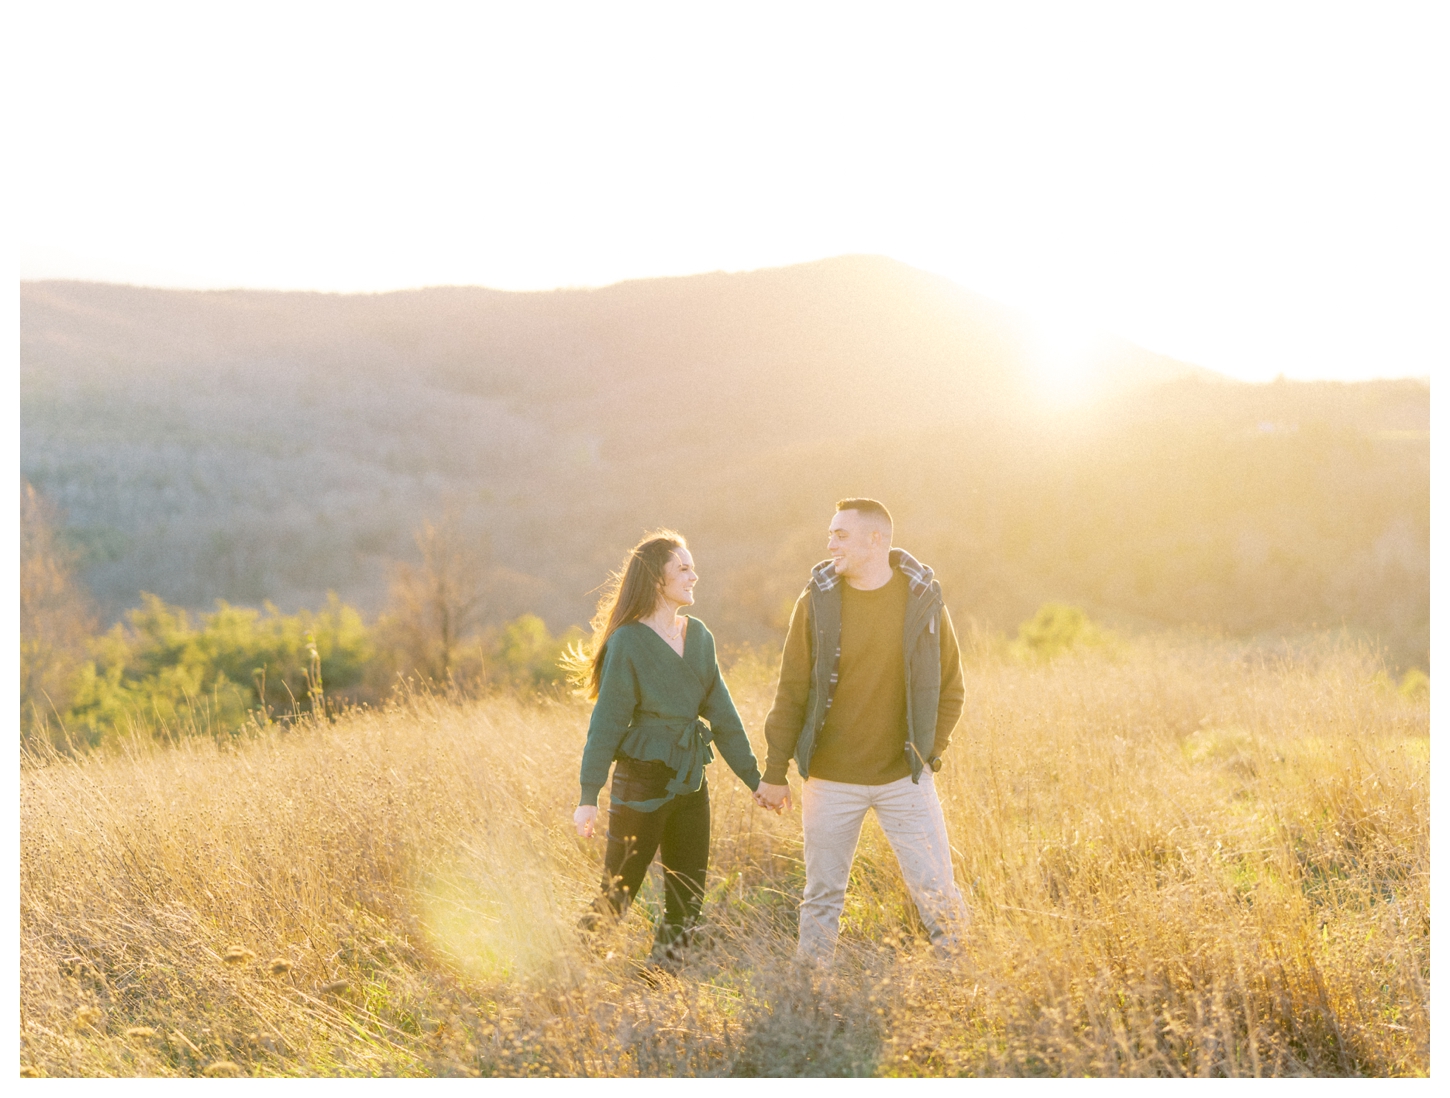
x,y
632,593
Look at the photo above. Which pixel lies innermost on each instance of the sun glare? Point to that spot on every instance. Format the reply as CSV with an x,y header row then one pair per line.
x,y
1061,352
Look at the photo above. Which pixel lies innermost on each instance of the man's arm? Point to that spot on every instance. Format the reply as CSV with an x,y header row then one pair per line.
x,y
953,694
788,713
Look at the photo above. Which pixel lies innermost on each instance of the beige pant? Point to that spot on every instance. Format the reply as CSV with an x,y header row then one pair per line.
x,y
911,817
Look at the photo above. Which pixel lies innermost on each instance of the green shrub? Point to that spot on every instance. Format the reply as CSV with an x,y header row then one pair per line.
x,y
1057,628
1414,684
162,671
525,653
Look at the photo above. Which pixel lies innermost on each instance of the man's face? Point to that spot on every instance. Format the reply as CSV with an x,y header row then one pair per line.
x,y
854,541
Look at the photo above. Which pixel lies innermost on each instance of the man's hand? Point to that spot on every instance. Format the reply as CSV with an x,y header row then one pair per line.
x,y
584,817
774,797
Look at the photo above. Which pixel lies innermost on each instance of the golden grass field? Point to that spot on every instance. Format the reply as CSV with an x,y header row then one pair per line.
x,y
1183,859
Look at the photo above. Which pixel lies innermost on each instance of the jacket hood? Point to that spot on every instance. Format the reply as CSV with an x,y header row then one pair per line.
x,y
919,576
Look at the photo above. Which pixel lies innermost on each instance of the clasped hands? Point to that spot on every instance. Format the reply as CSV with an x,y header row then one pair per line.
x,y
774,797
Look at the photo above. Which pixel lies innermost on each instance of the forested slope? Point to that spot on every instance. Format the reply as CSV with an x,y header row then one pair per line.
x,y
251,445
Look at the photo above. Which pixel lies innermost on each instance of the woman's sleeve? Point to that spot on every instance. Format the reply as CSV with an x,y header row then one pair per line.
x,y
726,728
613,711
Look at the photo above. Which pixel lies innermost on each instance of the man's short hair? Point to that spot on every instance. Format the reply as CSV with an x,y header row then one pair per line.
x,y
875,508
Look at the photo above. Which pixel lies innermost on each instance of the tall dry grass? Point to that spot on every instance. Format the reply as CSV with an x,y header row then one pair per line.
x,y
1183,860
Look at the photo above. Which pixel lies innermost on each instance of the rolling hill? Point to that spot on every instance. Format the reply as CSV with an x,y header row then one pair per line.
x,y
254,445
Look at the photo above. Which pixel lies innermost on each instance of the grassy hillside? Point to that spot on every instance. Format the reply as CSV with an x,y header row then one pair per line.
x,y
1182,859
252,446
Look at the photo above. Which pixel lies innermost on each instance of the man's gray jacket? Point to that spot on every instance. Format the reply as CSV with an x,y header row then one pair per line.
x,y
810,666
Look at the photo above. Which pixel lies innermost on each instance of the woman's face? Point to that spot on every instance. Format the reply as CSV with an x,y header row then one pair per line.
x,y
678,588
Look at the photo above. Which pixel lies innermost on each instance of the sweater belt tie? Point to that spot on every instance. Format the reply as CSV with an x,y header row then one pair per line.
x,y
695,742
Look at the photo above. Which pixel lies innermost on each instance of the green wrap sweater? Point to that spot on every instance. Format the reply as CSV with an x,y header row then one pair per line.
x,y
650,705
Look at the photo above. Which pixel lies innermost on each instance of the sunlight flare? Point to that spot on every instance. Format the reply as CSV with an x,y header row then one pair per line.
x,y
1063,355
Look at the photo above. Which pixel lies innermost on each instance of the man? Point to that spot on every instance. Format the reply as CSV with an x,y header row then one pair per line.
x,y
870,690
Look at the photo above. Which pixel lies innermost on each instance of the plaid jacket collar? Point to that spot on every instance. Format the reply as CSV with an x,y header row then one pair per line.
x,y
918,575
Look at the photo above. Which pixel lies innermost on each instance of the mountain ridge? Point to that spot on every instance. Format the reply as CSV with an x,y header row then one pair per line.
x,y
253,445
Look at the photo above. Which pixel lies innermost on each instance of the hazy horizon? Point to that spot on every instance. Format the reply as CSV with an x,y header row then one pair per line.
x,y
1084,327
259,446
1244,188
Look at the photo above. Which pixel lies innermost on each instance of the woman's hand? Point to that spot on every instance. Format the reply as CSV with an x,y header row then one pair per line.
x,y
584,817
776,798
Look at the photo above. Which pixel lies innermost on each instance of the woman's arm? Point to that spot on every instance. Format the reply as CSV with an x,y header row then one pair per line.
x,y
726,728
613,712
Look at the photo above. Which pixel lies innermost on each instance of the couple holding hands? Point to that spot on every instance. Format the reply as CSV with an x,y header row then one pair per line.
x,y
870,690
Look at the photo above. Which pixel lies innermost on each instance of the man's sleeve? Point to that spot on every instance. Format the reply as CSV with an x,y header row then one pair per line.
x,y
953,689
783,724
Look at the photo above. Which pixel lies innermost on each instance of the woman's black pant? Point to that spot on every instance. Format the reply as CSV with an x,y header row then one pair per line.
x,y
679,830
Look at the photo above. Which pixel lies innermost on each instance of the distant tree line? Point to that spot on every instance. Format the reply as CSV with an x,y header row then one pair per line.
x,y
168,672
165,671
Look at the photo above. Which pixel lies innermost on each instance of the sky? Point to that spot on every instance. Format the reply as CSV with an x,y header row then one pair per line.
x,y
1256,188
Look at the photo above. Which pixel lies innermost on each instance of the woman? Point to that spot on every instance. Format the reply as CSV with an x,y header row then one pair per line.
x,y
654,676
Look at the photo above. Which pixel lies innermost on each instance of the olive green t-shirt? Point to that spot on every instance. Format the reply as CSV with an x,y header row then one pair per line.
x,y
864,738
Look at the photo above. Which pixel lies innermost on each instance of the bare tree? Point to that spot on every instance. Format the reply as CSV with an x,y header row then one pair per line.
x,y
437,603
56,619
